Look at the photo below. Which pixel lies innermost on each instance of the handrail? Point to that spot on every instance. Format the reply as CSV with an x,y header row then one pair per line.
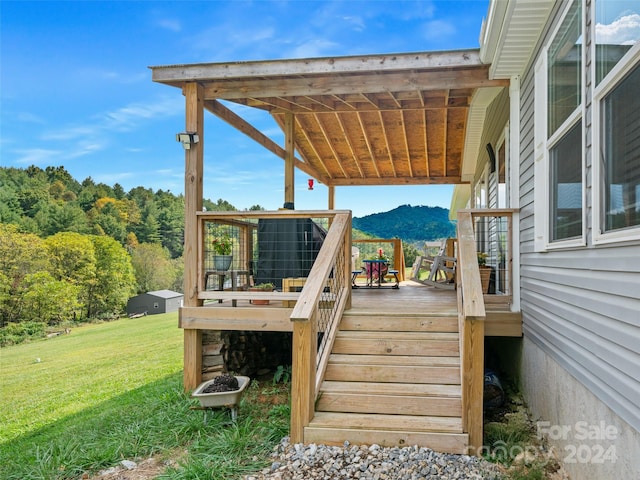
x,y
495,237
330,271
315,284
471,316
468,273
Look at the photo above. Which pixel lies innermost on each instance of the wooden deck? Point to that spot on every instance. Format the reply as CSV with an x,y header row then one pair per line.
x,y
411,297
393,376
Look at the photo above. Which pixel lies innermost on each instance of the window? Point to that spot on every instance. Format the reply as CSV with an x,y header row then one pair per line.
x,y
559,159
565,166
616,32
503,192
565,69
620,155
617,121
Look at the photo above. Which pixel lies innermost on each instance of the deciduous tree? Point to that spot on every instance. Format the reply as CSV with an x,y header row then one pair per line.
x,y
153,267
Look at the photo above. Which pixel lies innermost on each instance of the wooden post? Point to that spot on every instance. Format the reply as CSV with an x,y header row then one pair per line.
x,y
289,166
303,378
331,200
348,244
194,113
473,380
192,373
471,314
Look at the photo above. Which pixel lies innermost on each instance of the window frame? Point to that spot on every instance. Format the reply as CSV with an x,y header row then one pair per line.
x,y
627,63
543,143
503,142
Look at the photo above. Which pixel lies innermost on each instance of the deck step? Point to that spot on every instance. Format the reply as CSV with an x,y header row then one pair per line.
x,y
373,388
426,361
439,433
400,323
393,374
434,344
393,380
361,421
389,404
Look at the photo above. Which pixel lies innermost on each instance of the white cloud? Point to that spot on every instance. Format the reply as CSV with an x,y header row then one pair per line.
x,y
38,156
316,47
357,23
233,41
170,24
111,76
29,117
622,31
439,29
84,148
69,133
127,118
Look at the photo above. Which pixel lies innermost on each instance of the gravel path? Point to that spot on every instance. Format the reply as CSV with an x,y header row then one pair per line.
x,y
302,462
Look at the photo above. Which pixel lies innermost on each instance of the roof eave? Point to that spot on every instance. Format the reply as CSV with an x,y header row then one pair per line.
x,y
511,33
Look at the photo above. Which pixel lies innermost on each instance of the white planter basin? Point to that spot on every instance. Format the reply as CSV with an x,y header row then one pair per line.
x,y
221,399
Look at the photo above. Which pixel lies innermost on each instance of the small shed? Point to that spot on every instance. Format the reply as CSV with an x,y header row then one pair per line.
x,y
150,303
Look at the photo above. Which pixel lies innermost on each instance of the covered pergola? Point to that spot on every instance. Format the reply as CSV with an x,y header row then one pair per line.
x,y
397,119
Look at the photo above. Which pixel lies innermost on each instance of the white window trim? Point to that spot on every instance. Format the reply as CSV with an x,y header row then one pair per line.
x,y
624,66
542,144
503,140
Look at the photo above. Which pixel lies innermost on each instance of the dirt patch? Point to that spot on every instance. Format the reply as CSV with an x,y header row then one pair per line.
x,y
135,470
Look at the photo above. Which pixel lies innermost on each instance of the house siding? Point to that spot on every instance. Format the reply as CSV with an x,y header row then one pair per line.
x,y
580,306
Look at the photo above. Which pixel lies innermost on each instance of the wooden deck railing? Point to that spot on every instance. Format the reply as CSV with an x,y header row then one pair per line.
x,y
493,230
241,227
369,246
495,238
316,315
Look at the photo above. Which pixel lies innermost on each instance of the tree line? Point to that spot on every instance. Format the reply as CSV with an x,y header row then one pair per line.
x,y
74,250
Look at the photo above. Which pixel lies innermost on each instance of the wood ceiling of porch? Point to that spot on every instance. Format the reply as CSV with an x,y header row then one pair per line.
x,y
365,120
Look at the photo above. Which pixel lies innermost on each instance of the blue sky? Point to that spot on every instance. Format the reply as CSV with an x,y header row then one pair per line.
x,y
76,91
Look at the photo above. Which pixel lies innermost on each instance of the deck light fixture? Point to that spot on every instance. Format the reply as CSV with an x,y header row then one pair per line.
x,y
187,139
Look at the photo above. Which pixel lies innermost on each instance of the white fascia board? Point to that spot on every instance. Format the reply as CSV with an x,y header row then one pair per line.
x,y
481,99
459,200
492,30
512,31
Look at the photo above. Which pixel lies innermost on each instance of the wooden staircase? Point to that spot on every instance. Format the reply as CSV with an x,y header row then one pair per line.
x,y
393,380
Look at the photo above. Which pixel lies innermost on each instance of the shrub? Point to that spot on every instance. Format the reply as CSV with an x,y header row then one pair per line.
x,y
15,333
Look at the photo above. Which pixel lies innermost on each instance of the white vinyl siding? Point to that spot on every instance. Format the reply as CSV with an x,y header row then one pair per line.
x,y
580,305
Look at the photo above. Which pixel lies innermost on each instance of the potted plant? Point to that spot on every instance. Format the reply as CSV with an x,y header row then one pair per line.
x,y
485,271
261,287
222,245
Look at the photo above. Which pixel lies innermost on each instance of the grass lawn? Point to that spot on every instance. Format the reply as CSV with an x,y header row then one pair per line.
x,y
82,402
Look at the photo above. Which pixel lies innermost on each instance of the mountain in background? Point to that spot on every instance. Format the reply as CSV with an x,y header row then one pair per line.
x,y
411,224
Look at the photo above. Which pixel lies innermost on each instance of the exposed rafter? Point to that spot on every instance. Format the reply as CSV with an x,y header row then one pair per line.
x,y
362,120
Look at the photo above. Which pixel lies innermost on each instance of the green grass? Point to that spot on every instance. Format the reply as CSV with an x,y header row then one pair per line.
x,y
93,364
113,391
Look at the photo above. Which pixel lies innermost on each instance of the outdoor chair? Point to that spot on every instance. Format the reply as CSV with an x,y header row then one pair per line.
x,y
441,268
